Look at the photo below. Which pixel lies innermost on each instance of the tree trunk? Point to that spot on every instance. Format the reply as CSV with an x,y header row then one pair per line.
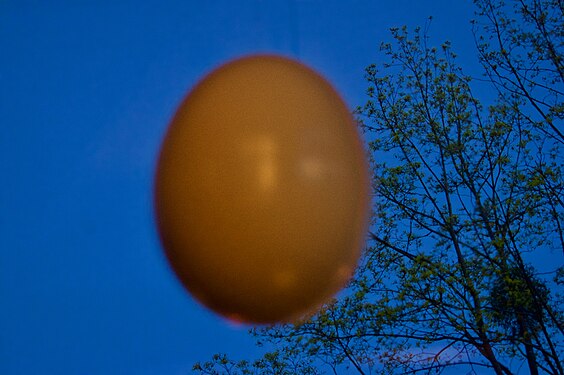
x,y
529,351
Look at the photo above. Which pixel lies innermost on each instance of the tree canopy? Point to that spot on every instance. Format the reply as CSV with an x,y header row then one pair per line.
x,y
468,197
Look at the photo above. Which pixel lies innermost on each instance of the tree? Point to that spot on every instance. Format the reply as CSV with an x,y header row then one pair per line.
x,y
514,307
520,47
468,196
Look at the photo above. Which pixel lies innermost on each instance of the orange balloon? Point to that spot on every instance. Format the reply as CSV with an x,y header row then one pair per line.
x,y
262,191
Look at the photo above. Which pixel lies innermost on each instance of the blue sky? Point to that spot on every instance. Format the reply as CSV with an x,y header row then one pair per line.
x,y
87,89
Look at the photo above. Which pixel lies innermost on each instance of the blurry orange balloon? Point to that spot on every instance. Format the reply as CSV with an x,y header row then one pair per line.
x,y
262,191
